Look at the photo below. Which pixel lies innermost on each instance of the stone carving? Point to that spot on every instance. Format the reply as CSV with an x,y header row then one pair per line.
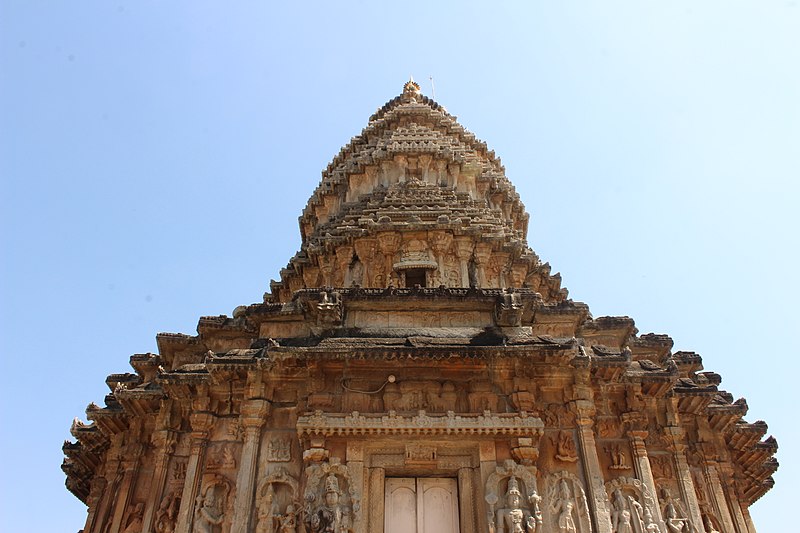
x,y
567,509
632,506
675,518
134,522
514,517
481,398
167,513
420,454
279,450
212,508
279,490
287,522
661,466
709,524
619,460
179,471
557,416
222,458
328,507
608,428
329,309
564,444
415,395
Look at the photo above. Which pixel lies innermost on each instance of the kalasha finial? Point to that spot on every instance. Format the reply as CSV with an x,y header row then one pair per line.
x,y
411,89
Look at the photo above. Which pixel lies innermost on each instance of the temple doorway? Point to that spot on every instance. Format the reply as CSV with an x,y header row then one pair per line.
x,y
421,505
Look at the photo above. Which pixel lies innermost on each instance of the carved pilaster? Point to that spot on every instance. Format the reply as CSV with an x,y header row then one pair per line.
x,y
463,249
466,487
377,477
718,495
729,485
254,414
164,442
684,477
641,466
94,500
113,476
598,499
130,466
201,424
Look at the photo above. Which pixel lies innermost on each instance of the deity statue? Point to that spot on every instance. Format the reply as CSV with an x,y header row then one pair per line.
x,y
266,512
328,517
621,515
288,521
209,515
562,509
514,519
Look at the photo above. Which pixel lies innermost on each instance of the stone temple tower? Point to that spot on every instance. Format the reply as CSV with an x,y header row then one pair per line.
x,y
417,368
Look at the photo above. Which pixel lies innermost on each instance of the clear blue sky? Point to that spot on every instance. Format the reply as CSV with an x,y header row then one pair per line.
x,y
155,156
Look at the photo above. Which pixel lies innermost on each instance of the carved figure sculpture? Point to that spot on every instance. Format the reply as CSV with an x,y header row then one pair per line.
x,y
134,524
621,515
167,513
514,519
266,512
563,509
565,448
619,460
288,521
675,523
328,517
209,514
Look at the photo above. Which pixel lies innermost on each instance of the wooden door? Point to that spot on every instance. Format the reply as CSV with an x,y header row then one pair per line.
x,y
421,505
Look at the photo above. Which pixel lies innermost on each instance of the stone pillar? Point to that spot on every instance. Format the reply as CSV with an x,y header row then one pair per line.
x,y
466,488
641,466
164,442
488,458
201,424
388,243
684,476
377,477
254,415
130,466
598,499
751,528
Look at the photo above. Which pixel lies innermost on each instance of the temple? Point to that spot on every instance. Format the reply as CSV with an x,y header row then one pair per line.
x,y
417,368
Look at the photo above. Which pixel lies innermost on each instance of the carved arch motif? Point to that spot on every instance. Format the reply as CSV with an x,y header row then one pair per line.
x,y
629,495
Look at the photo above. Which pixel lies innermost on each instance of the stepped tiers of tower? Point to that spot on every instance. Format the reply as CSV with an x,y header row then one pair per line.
x,y
417,368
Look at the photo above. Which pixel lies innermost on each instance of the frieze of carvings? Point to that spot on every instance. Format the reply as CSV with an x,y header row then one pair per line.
x,y
564,445
632,506
420,394
676,517
608,428
214,507
357,424
332,501
566,509
277,503
619,459
519,510
221,457
167,513
279,450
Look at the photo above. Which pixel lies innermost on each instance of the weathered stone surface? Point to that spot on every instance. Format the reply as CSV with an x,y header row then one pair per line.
x,y
415,334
